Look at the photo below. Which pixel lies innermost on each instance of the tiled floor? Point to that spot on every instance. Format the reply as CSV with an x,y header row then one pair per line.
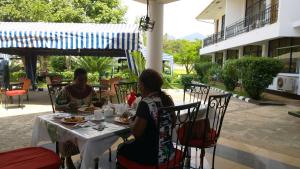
x,y
260,137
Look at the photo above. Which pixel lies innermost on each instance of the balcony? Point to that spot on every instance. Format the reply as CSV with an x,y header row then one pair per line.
x,y
265,17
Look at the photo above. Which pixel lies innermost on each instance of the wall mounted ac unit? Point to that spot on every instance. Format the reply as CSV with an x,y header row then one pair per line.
x,y
287,84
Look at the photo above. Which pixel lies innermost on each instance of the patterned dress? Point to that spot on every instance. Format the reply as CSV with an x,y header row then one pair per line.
x,y
68,95
150,148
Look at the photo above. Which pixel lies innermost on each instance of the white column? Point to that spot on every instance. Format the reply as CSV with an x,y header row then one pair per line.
x,y
298,65
155,38
213,57
224,56
268,3
265,49
241,52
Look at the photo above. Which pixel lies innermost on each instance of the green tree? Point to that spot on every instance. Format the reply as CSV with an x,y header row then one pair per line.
x,y
185,52
94,64
58,63
97,11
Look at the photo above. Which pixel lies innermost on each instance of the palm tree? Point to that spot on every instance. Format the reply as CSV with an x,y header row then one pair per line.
x,y
94,64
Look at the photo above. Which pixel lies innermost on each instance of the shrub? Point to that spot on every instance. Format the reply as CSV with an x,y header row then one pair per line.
x,y
186,79
58,63
257,73
202,69
167,81
214,73
67,75
93,77
230,74
15,76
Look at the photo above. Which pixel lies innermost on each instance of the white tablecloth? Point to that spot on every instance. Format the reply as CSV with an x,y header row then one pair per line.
x,y
91,143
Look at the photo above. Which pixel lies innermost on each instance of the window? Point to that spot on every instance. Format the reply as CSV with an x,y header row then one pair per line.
x,y
253,10
223,26
252,50
232,54
288,51
219,58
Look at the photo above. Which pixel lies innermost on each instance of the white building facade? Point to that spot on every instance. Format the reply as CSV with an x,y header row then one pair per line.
x,y
264,28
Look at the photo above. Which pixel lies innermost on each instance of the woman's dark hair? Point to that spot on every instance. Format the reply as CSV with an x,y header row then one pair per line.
x,y
79,71
152,81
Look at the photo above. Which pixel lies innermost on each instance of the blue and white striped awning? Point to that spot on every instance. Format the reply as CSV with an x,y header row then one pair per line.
x,y
69,36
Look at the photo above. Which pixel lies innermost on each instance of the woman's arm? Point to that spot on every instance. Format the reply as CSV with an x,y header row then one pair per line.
x,y
139,122
138,126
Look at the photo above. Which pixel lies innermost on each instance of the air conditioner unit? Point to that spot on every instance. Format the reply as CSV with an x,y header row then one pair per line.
x,y
287,84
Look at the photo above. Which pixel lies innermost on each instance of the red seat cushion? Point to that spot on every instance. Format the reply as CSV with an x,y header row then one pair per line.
x,y
198,142
124,162
15,92
29,158
201,143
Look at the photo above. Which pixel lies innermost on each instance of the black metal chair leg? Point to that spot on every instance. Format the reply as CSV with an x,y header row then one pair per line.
x,y
213,160
96,163
202,158
109,158
62,162
19,97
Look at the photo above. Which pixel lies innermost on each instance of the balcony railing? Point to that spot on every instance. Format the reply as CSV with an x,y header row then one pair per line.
x,y
214,38
267,16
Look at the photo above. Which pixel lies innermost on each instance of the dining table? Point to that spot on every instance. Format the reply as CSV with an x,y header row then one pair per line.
x,y
91,141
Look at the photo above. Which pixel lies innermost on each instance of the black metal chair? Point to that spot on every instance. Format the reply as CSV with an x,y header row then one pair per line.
x,y
181,115
53,89
197,92
123,89
211,126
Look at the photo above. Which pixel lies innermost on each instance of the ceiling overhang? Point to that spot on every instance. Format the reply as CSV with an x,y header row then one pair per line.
x,y
160,1
215,9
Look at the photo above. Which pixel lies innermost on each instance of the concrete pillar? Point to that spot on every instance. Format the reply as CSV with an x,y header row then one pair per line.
x,y
298,65
268,3
224,57
241,52
213,57
265,50
155,38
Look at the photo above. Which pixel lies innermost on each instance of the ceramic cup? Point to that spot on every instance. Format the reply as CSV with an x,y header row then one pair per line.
x,y
121,108
98,114
108,112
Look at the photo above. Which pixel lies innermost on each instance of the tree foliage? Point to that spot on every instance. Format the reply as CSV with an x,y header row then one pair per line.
x,y
185,52
96,11
94,64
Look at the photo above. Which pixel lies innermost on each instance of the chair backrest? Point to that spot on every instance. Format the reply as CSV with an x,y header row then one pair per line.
x,y
26,84
197,92
53,90
123,89
217,106
183,115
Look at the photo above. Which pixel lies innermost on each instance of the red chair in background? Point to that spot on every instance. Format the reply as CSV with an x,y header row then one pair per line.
x,y
29,158
18,92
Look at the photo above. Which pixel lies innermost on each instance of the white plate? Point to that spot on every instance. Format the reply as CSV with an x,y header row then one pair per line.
x,y
92,118
83,109
61,115
75,122
118,119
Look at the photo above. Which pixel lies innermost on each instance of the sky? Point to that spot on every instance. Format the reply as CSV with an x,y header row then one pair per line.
x,y
179,16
